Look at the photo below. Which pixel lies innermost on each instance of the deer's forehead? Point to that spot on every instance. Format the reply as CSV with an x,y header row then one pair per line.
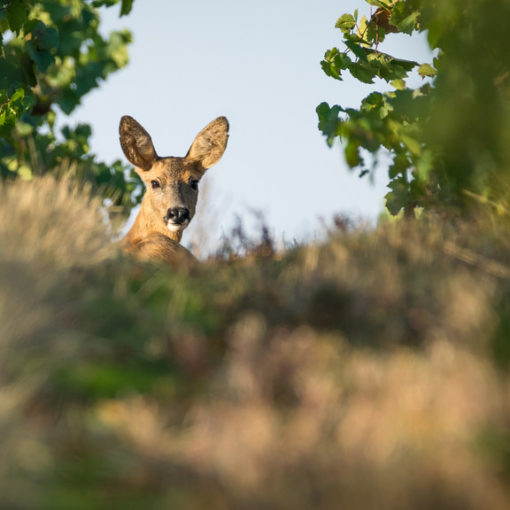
x,y
173,169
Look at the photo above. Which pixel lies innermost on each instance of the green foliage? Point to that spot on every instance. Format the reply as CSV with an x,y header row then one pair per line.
x,y
448,138
51,55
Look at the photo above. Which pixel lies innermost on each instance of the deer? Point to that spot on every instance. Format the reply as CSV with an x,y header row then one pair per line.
x,y
171,193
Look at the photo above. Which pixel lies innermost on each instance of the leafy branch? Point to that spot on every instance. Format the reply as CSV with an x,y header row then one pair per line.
x,y
448,138
53,57
390,120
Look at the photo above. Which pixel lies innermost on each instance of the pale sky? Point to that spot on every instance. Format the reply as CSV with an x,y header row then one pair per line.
x,y
257,63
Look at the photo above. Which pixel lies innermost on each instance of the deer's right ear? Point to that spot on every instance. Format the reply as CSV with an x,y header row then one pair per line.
x,y
136,143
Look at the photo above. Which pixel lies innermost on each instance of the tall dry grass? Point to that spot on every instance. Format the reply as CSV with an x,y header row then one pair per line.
x,y
369,371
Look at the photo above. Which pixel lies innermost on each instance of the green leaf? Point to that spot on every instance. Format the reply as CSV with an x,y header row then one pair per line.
x,y
11,109
41,58
17,13
380,3
389,68
373,100
126,7
404,16
346,23
359,51
68,101
19,94
363,72
409,104
393,203
328,121
398,197
354,38
400,165
334,62
48,38
377,104
330,69
352,155
342,61
426,70
104,3
408,65
399,84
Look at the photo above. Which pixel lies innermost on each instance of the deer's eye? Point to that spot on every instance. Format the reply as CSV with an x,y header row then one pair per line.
x,y
155,184
194,184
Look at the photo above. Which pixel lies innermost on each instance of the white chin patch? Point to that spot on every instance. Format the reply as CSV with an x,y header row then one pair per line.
x,y
173,227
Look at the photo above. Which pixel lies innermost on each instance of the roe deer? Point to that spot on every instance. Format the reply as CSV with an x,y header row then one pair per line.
x,y
171,188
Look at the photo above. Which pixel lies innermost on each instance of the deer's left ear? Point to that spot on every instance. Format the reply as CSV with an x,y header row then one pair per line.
x,y
209,145
136,143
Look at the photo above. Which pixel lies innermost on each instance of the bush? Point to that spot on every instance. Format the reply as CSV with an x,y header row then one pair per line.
x,y
51,55
366,371
449,138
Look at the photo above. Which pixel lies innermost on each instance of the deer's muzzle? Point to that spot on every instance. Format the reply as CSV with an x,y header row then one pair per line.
x,y
177,218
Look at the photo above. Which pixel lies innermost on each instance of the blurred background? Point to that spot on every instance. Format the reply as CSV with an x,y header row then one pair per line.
x,y
258,63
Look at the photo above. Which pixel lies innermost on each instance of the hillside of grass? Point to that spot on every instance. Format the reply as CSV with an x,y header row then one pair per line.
x,y
367,371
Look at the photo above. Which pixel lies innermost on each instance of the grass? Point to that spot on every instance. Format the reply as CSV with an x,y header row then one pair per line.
x,y
368,371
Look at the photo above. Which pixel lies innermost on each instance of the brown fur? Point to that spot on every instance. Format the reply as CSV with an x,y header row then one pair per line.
x,y
150,236
159,246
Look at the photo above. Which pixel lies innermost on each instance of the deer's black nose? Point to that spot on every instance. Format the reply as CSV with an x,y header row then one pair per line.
x,y
177,215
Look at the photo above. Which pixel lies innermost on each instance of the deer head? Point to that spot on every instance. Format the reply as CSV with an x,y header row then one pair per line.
x,y
171,182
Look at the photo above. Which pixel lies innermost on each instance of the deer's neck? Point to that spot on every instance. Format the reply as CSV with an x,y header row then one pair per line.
x,y
146,223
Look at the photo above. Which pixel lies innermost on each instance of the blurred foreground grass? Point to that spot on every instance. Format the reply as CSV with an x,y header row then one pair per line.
x,y
370,371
